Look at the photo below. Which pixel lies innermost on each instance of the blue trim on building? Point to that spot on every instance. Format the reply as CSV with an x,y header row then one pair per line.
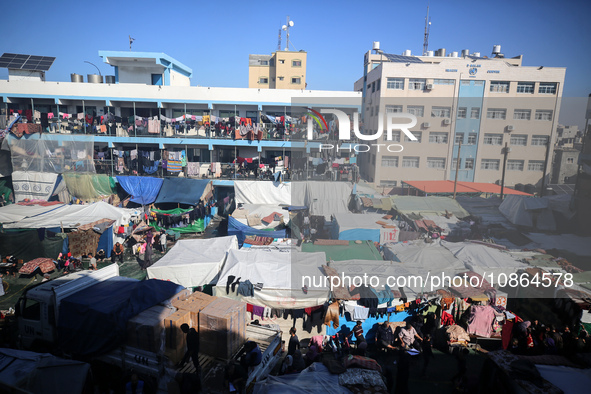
x,y
116,74
161,58
469,97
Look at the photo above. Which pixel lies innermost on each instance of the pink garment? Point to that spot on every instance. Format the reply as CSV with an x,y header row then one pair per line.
x,y
480,320
317,340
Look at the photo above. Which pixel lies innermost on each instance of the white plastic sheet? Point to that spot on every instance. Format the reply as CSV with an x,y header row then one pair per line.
x,y
257,192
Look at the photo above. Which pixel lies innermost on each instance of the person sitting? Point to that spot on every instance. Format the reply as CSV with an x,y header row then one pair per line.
x,y
117,253
252,356
298,361
235,377
101,255
407,337
92,263
312,355
385,337
13,265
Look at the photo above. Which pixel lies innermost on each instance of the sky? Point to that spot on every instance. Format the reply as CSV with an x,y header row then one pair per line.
x,y
214,38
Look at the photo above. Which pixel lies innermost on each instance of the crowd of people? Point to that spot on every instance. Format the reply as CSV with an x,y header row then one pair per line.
x,y
535,338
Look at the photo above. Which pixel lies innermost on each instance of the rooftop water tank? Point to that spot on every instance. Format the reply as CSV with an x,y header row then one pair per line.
x,y
76,78
430,53
441,52
407,52
93,78
109,79
465,52
376,45
496,49
454,54
476,54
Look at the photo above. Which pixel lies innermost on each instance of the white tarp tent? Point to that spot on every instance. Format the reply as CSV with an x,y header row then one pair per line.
x,y
280,272
420,254
536,212
193,262
581,246
483,259
362,226
256,192
14,212
249,214
323,198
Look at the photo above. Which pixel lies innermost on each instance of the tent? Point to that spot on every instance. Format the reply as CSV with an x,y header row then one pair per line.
x,y
256,192
365,250
183,190
41,372
281,274
484,259
323,198
536,212
424,255
312,379
143,189
364,227
193,262
240,230
17,212
430,205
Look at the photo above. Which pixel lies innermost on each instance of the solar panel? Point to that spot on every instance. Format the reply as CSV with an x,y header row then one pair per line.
x,y
402,59
26,62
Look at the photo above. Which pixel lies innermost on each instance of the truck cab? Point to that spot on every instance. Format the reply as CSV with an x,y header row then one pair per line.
x,y
37,309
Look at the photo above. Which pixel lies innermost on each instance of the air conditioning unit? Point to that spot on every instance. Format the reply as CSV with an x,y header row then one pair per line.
x,y
426,124
510,128
429,86
446,121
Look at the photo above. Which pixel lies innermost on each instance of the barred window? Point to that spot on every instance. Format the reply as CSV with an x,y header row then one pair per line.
x,y
539,140
535,165
525,87
440,112
496,113
472,138
518,139
459,138
389,161
395,83
462,112
544,114
416,84
393,109
547,87
515,165
475,113
438,137
489,164
410,162
499,86
418,134
469,164
416,110
436,162
493,139
522,114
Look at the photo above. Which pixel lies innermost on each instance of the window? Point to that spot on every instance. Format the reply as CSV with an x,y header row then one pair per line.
x,y
522,114
462,112
438,137
296,80
281,61
454,163
570,160
388,183
263,80
393,109
525,87
436,162
378,84
296,63
443,81
515,165
539,140
389,161
469,164
499,86
547,87
416,110
395,83
518,139
490,164
440,112
475,113
32,310
418,134
472,139
478,83
416,84
459,138
543,114
373,87
280,78
264,62
493,139
496,113
157,79
410,162
395,136
535,165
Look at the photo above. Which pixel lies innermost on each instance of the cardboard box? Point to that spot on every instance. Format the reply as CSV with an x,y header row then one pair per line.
x,y
145,331
194,305
222,328
180,297
175,339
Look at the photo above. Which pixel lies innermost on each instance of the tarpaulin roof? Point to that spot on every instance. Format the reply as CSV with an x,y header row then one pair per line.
x,y
193,262
42,372
241,230
281,274
183,190
363,251
89,187
447,187
527,211
94,319
323,198
424,255
428,205
15,212
143,189
256,192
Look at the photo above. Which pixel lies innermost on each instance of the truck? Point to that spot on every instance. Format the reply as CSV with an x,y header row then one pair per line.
x,y
39,309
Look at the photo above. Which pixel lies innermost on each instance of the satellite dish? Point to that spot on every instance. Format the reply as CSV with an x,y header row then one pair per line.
x,y
284,27
290,23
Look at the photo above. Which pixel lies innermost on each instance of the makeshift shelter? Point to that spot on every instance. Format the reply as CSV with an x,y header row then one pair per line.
x,y
366,250
534,212
447,188
142,189
365,227
256,192
241,231
280,274
322,198
27,245
193,262
430,205
89,187
420,254
16,212
33,185
41,373
184,191
181,220
484,259
312,379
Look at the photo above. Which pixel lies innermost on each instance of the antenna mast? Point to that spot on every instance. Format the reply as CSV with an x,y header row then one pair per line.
x,y
131,40
427,28
279,40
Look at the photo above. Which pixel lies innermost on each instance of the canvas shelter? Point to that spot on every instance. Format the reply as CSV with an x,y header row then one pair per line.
x,y
364,227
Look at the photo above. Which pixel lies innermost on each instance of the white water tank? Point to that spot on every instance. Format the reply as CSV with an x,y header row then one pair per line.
x,y
407,52
465,52
109,79
454,54
93,78
376,46
76,78
430,53
441,52
496,49
477,54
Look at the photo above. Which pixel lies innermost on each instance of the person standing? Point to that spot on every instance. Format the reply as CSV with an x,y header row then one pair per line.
x,y
192,346
294,342
163,241
148,254
92,263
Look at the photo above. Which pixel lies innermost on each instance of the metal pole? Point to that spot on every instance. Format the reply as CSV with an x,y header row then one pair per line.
x,y
134,128
84,116
458,161
543,191
505,151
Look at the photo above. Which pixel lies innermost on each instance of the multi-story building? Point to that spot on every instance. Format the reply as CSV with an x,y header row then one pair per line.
x,y
483,103
280,70
151,106
569,136
565,166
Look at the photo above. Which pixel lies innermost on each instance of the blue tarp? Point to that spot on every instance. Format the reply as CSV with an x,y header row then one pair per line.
x,y
363,234
370,326
106,242
93,320
143,189
241,230
182,190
